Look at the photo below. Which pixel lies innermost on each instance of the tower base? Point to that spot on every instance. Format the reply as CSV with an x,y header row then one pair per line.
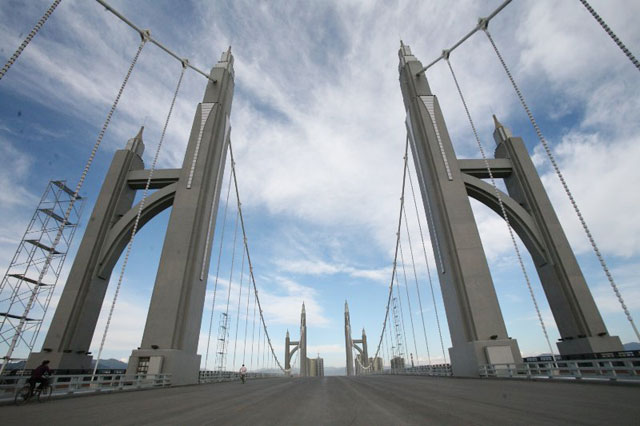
x,y
183,366
590,345
466,358
60,360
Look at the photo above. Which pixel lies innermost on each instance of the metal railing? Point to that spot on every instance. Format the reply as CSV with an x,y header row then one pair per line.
x,y
420,370
593,369
78,384
230,376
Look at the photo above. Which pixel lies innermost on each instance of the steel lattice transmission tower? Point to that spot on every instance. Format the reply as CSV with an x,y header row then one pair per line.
x,y
30,279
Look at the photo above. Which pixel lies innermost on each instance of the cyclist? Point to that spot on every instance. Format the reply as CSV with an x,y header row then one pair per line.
x,y
39,376
243,373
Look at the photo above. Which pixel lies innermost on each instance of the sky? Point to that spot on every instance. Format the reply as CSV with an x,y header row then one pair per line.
x,y
318,137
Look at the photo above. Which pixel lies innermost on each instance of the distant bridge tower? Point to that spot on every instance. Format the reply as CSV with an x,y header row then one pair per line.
x,y
170,338
478,332
351,343
348,343
299,345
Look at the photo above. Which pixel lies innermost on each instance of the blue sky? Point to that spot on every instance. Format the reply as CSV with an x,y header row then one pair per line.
x,y
318,136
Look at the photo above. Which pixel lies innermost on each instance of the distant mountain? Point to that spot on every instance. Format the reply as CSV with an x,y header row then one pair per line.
x,y
110,364
335,371
632,346
105,364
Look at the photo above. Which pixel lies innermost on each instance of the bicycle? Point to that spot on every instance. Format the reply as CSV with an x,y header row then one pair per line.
x,y
41,393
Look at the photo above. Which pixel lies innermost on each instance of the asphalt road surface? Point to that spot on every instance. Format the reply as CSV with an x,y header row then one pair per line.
x,y
379,400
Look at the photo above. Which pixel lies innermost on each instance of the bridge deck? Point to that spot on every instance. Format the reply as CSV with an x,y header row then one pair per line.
x,y
382,400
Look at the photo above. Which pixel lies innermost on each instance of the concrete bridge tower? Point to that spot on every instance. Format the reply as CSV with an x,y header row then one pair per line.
x,y
170,338
348,343
300,345
478,331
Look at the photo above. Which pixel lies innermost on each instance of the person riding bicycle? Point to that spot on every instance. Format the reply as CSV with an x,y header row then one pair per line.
x,y
243,373
38,376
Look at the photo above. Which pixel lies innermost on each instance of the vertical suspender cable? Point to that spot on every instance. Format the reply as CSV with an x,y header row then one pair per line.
x,y
137,221
27,40
552,159
415,277
426,261
215,285
258,348
253,330
406,287
235,340
246,324
613,36
502,210
226,315
251,274
395,256
399,294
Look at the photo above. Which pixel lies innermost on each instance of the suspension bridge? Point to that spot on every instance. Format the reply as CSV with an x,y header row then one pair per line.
x,y
397,378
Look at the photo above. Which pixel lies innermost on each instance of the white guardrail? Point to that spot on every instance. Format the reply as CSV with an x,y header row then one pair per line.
x,y
230,376
80,384
602,369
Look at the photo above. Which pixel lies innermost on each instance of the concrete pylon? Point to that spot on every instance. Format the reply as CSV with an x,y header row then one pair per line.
x,y
300,345
347,340
66,344
582,330
304,361
170,339
173,323
478,333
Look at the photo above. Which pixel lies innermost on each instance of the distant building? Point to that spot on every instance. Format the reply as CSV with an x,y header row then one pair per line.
x,y
397,363
376,363
316,366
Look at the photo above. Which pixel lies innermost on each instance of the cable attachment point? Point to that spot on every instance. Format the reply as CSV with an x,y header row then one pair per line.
x,y
483,24
185,63
145,35
445,54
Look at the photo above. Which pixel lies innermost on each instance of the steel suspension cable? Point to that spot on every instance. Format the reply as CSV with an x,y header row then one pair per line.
x,y
415,277
67,214
395,256
246,323
215,285
235,340
151,39
613,36
446,52
30,36
426,261
406,287
556,168
246,248
502,210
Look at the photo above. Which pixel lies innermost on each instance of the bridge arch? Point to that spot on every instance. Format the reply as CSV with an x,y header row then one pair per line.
x,y
121,232
519,219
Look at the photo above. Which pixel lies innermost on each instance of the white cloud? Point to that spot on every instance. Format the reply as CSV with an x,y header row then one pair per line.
x,y
318,117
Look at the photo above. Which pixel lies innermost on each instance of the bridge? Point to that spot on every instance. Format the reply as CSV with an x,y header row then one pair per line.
x,y
474,368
